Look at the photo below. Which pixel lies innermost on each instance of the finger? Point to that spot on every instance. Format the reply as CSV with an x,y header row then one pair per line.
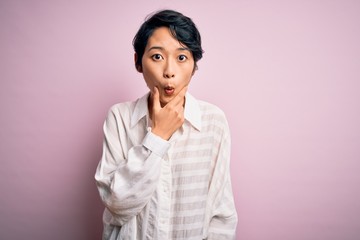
x,y
181,111
156,99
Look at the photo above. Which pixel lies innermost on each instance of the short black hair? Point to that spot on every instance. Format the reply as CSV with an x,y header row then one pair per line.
x,y
181,27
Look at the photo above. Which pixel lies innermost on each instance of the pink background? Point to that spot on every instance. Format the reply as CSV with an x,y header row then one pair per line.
x,y
286,73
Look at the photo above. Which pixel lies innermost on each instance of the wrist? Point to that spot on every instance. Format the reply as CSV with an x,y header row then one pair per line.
x,y
159,133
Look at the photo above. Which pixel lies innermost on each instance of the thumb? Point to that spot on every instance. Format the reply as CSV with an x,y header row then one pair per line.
x,y
156,99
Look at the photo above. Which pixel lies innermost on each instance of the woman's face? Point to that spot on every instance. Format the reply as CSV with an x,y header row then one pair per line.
x,y
166,64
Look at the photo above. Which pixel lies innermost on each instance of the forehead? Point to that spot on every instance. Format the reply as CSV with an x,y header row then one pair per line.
x,y
162,37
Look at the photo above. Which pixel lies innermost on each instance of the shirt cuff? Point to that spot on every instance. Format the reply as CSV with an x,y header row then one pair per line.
x,y
156,144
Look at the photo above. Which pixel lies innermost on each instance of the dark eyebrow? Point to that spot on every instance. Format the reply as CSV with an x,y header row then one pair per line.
x,y
155,47
161,48
184,49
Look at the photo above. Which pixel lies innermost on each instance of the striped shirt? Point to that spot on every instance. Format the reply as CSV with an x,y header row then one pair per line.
x,y
158,189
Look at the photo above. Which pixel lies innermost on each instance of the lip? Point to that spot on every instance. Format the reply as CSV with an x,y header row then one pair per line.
x,y
169,91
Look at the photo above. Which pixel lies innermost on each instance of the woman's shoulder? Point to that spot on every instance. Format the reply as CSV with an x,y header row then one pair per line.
x,y
211,109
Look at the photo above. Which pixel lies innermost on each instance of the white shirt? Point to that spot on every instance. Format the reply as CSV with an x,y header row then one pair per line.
x,y
158,189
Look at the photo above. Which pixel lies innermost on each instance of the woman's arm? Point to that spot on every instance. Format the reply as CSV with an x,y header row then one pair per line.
x,y
126,179
222,216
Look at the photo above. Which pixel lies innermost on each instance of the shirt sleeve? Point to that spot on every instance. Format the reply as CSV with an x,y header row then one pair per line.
x,y
222,216
127,177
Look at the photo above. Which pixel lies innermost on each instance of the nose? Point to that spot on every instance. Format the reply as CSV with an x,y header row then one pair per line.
x,y
169,71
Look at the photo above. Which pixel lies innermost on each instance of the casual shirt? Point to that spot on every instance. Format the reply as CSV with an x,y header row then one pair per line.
x,y
158,189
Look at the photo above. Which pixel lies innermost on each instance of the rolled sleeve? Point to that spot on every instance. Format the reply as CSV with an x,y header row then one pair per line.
x,y
156,144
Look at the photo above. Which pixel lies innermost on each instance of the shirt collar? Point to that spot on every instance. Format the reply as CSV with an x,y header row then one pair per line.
x,y
192,111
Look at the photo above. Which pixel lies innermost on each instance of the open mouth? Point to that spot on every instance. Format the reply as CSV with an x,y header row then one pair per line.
x,y
169,90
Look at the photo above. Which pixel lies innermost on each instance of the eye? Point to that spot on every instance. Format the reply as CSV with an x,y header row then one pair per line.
x,y
156,57
182,58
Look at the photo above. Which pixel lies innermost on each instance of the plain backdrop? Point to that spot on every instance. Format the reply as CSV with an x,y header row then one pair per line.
x,y
286,74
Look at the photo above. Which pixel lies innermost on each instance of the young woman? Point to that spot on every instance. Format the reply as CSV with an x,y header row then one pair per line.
x,y
164,172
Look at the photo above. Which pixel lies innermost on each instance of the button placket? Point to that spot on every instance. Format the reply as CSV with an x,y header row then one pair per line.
x,y
165,193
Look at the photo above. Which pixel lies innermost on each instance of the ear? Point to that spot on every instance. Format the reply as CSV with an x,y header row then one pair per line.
x,y
138,68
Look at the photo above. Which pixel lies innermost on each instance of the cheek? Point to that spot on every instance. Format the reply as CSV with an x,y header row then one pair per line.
x,y
150,70
189,73
150,76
